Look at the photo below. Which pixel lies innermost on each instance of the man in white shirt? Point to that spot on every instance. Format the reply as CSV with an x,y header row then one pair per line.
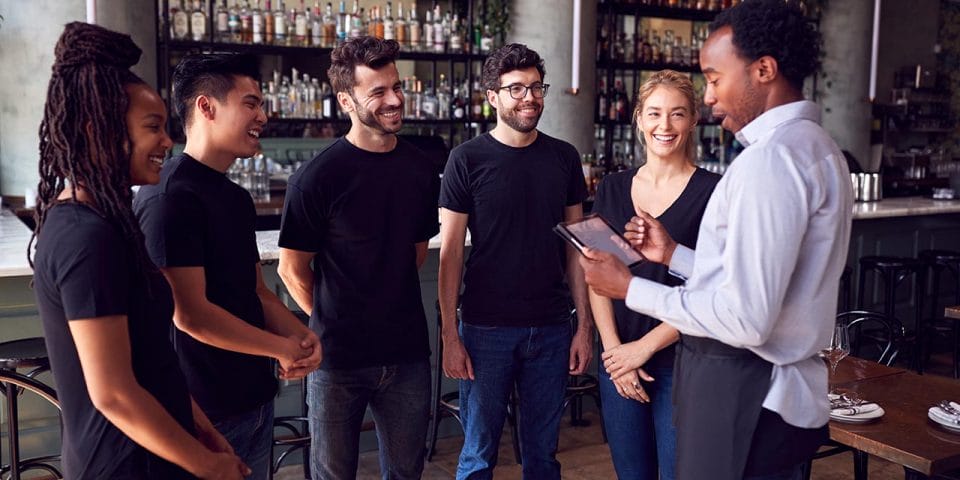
x,y
761,290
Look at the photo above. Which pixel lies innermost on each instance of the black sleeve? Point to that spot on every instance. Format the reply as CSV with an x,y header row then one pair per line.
x,y
455,187
173,226
93,272
303,222
601,198
431,220
577,188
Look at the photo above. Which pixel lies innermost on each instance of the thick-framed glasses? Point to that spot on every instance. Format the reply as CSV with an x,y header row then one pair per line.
x,y
518,91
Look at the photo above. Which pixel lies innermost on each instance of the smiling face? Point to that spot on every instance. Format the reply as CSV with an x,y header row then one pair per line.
x,y
239,118
377,99
666,122
524,114
731,91
146,127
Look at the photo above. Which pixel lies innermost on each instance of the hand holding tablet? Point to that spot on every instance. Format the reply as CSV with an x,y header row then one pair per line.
x,y
593,231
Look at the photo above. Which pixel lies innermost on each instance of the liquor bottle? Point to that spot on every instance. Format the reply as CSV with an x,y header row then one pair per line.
x,y
656,49
439,39
456,35
681,54
389,28
198,22
486,41
647,48
476,101
430,103
329,27
443,99
417,100
246,23
279,25
667,47
414,26
356,21
259,23
300,23
343,25
268,23
601,101
400,27
459,107
427,31
372,22
621,102
316,26
603,41
179,21
223,17
329,102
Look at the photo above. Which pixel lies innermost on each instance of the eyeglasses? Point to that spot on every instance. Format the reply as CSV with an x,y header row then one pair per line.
x,y
517,91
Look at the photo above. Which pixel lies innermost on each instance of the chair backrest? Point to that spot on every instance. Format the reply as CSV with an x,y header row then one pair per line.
x,y
873,335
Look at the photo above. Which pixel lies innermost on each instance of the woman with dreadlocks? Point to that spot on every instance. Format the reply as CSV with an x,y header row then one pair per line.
x,y
105,308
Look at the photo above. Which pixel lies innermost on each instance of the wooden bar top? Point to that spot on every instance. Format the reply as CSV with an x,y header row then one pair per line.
x,y
904,435
853,369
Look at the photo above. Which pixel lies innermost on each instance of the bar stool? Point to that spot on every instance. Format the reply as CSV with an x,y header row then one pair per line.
x,y
24,353
843,303
939,261
296,429
893,270
447,405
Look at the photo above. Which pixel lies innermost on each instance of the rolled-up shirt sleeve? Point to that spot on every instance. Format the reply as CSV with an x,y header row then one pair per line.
x,y
768,214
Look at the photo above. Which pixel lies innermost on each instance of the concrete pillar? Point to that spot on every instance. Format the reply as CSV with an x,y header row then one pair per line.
x,y
547,28
844,82
28,35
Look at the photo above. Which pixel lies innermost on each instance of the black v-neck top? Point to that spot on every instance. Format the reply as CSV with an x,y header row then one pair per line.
x,y
682,221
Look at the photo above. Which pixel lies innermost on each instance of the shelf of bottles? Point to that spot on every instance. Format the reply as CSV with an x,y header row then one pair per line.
x,y
635,39
299,103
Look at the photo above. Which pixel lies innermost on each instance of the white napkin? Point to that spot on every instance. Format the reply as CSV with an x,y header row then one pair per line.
x,y
938,412
857,410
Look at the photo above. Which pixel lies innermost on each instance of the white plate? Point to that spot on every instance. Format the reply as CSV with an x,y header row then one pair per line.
x,y
861,418
943,423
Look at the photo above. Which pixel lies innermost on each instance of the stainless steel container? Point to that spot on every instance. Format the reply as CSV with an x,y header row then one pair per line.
x,y
855,180
869,187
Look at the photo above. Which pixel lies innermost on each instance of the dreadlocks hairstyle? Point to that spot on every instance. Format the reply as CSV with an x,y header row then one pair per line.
x,y
83,135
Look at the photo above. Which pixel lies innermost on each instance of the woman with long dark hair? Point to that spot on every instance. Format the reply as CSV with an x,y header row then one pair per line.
x,y
105,308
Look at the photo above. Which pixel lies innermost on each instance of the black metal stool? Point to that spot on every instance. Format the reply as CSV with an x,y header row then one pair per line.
x,y
939,261
24,353
893,270
296,429
447,404
843,303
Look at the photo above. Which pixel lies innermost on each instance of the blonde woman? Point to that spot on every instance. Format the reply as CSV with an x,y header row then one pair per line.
x,y
638,350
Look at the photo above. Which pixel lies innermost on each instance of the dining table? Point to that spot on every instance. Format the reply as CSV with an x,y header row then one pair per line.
x,y
903,435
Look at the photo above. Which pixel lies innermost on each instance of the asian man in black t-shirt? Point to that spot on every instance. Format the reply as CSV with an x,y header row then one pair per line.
x,y
361,214
199,229
511,186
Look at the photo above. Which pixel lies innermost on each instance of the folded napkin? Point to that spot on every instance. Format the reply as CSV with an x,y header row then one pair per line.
x,y
855,410
941,414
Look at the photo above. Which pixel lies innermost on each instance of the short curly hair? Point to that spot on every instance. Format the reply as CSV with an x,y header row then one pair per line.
x,y
366,50
514,56
776,29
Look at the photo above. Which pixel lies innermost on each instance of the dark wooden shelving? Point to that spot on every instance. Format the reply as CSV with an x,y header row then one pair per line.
x,y
642,66
640,10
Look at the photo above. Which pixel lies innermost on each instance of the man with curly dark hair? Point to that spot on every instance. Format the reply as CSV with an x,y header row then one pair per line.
x,y
361,213
761,290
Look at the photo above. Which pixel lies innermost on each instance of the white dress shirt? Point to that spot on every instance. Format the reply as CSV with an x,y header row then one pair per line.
x,y
771,248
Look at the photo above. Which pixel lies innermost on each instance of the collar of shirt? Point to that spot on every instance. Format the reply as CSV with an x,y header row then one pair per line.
x,y
776,116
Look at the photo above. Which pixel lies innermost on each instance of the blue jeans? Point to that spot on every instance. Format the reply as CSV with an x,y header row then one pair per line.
x,y
398,396
536,360
641,435
250,434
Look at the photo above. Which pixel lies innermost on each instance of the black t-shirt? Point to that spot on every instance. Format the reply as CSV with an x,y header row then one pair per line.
x,y
514,197
197,217
682,222
362,212
84,269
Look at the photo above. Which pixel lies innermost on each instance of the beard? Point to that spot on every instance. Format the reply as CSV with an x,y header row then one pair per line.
x,y
369,118
522,125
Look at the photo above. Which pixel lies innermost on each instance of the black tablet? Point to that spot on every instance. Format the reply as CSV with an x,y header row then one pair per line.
x,y
595,232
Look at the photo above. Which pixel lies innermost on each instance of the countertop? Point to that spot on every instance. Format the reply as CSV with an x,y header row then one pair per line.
x,y
14,237
904,207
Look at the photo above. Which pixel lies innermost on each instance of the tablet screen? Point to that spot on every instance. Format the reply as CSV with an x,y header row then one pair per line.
x,y
595,232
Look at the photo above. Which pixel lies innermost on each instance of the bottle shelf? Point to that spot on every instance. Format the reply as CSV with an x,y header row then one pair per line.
x,y
274,49
675,13
406,121
614,123
643,66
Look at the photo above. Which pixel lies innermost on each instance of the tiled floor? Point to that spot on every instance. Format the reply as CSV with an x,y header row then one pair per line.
x,y
583,456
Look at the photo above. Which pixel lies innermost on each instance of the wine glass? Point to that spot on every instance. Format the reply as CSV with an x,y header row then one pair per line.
x,y
838,349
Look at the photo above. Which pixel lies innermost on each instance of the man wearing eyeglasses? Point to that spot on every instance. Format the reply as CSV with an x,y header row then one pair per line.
x,y
510,187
